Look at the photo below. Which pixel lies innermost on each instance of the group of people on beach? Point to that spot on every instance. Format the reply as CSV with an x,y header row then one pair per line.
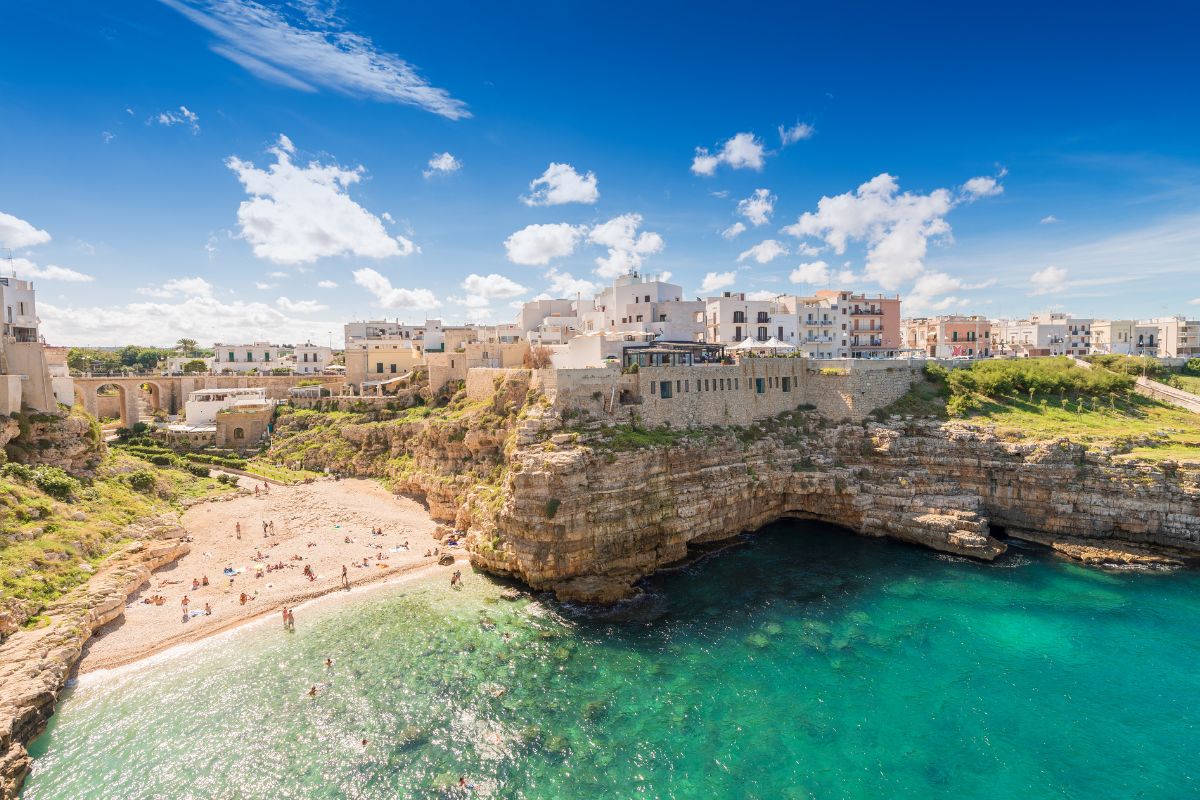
x,y
188,614
289,619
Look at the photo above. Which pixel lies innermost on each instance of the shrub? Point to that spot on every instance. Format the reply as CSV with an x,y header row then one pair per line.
x,y
142,480
552,507
199,470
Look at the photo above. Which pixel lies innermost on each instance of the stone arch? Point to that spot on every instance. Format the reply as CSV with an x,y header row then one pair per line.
x,y
121,407
239,433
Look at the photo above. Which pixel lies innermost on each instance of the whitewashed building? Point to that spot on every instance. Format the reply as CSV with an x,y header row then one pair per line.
x,y
311,359
260,356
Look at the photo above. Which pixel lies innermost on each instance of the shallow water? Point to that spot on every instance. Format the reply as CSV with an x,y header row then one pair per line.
x,y
807,663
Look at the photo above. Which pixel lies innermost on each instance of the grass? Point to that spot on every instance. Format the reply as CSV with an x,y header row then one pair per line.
x,y
628,437
1189,383
45,551
276,472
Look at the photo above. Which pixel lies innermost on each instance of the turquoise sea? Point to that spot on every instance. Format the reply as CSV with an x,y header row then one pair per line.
x,y
807,662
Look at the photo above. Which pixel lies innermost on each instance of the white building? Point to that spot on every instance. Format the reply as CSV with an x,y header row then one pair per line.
x,y
636,305
259,356
20,309
731,319
203,404
311,359
175,364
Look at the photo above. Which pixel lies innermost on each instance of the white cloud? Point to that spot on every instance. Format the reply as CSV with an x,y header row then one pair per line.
x,y
764,252
387,296
733,230
806,249
932,285
796,133
743,151
107,136
815,272
715,281
16,232
1048,281
560,184
538,244
627,249
757,207
29,270
300,306
1194,302
310,50
762,294
983,186
277,274
262,285
493,286
896,227
186,287
297,214
181,117
1050,220
327,284
201,317
564,284
440,164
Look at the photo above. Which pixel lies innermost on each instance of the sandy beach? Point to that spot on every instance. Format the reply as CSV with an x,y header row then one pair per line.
x,y
312,523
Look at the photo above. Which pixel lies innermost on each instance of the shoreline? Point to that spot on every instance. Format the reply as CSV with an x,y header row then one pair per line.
x,y
87,668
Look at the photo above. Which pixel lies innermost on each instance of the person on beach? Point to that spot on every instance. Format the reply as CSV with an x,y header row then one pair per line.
x,y
238,528
456,578
195,584
345,577
266,487
312,692
244,597
264,527
207,610
291,620
256,490
285,615
204,580
185,608
329,663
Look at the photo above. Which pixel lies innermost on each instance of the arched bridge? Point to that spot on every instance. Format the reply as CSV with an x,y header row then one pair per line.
x,y
136,397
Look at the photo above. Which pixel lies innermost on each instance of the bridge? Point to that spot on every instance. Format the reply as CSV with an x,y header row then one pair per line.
x,y
139,396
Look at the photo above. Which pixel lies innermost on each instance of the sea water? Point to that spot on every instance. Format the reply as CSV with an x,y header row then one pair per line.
x,y
807,662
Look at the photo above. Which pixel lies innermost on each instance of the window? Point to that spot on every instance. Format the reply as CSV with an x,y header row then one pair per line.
x,y
787,384
722,384
737,333
379,367
762,333
739,316
954,336
706,384
249,356
762,317
238,433
781,333
306,358
231,358
639,317
647,298
653,387
267,356
393,368
760,386
735,383
21,307
664,390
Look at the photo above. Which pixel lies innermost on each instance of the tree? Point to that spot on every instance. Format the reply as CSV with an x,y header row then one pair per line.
x,y
195,366
538,358
187,347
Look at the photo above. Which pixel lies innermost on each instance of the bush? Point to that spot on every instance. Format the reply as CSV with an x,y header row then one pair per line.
x,y
142,480
199,470
552,507
51,480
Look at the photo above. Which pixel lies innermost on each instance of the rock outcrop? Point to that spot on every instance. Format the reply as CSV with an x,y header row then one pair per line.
x,y
587,521
69,441
36,662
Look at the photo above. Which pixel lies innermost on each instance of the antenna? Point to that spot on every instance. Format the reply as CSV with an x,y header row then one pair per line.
x,y
11,267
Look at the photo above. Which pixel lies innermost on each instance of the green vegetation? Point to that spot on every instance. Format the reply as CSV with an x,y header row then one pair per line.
x,y
552,507
278,472
633,437
1049,398
54,529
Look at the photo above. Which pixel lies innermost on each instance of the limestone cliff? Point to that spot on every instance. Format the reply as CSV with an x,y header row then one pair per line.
x,y
69,441
587,515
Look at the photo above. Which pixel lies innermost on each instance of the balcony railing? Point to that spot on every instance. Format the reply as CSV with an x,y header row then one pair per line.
x,y
857,311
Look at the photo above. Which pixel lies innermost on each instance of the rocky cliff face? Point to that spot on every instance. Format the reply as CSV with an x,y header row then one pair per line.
x,y
71,442
35,662
586,519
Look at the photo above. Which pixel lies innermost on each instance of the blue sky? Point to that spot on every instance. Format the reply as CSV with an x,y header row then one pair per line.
x,y
991,160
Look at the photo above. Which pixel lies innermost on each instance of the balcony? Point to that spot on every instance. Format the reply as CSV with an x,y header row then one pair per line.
x,y
866,311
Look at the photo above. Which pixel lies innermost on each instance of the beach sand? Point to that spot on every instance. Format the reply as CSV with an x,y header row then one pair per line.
x,y
312,521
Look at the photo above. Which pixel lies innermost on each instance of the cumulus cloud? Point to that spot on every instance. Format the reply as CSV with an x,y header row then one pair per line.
x,y
795,133
538,244
442,164
16,232
983,186
564,284
1194,302
733,230
1050,220
296,47
762,294
183,117
560,184
757,207
715,281
933,285
297,214
895,226
492,286
1048,281
764,252
814,272
387,296
186,287
29,270
627,248
742,151
163,322
300,306
327,284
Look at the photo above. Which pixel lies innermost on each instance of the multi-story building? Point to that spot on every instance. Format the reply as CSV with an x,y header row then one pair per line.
x,y
636,305
731,319
949,336
870,323
20,309
27,379
1113,336
311,359
260,356
1178,337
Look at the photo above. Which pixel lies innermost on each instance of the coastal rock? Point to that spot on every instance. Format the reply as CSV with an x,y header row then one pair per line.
x,y
36,662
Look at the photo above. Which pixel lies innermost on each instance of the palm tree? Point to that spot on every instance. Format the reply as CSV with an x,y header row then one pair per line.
x,y
187,347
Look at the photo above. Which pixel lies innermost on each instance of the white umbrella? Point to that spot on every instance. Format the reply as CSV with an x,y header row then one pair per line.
x,y
749,344
775,344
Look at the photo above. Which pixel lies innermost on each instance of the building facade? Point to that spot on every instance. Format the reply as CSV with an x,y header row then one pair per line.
x,y
260,357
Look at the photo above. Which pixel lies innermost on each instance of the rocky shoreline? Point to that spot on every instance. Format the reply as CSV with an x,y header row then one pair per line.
x,y
35,663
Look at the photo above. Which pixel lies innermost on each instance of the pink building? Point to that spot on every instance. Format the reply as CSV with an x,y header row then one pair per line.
x,y
949,336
